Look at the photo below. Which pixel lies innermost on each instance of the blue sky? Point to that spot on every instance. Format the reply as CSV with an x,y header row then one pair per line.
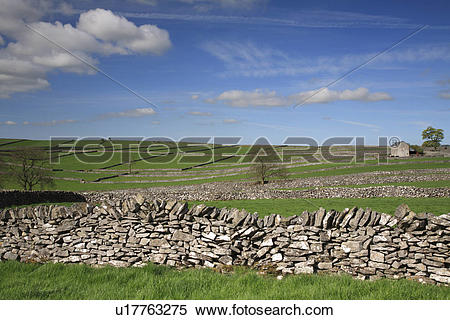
x,y
224,68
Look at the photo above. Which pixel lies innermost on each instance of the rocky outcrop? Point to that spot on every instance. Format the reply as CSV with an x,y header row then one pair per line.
x,y
137,230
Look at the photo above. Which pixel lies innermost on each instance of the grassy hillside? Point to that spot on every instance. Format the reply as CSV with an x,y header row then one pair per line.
x,y
153,164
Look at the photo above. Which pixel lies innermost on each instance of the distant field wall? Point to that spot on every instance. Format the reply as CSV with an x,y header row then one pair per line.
x,y
132,232
19,198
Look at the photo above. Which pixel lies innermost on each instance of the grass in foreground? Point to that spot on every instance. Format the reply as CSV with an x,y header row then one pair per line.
x,y
57,281
288,207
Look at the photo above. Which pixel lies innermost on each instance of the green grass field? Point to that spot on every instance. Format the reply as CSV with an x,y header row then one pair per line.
x,y
56,281
89,167
67,185
418,184
288,207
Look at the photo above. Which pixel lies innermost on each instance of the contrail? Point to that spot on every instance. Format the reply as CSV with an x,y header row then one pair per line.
x,y
92,66
345,75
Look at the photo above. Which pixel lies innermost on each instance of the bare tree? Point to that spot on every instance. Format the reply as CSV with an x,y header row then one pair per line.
x,y
262,169
29,168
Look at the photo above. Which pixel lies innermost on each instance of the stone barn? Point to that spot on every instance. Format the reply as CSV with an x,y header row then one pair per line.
x,y
401,150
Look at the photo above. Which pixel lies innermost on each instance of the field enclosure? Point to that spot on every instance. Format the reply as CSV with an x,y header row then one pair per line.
x,y
85,165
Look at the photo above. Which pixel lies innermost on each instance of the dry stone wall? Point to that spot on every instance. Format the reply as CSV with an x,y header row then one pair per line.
x,y
18,198
135,231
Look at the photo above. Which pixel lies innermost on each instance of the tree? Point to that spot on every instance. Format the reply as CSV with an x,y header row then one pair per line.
x,y
417,149
433,137
262,170
28,169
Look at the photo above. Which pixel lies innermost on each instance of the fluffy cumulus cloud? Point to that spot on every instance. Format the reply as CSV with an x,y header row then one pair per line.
x,y
259,98
106,26
27,58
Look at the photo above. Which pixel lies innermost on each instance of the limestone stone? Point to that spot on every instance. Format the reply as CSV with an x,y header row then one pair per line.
x,y
118,263
300,245
354,222
267,243
227,260
277,257
303,267
328,219
10,256
401,211
223,238
319,217
325,265
376,256
182,236
351,246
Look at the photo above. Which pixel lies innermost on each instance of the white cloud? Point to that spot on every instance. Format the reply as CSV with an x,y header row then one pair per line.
x,y
106,26
240,4
325,95
132,113
195,96
239,98
199,113
28,57
8,123
146,2
66,9
50,123
252,60
360,124
354,123
444,94
300,19
273,126
259,98
210,100
420,123
205,5
230,121
443,82
10,84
